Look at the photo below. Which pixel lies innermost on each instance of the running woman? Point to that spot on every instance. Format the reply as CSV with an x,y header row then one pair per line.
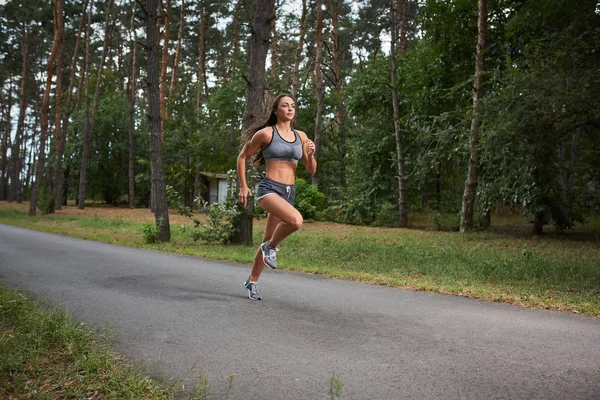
x,y
274,143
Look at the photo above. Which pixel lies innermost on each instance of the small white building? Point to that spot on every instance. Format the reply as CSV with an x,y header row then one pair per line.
x,y
216,187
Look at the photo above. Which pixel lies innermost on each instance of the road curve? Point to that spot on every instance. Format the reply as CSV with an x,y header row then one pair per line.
x,y
180,315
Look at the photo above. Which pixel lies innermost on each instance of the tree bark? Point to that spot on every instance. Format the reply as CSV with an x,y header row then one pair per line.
x,y
132,97
57,42
59,178
274,45
6,142
468,202
89,131
201,59
161,213
15,184
299,50
163,70
319,87
255,96
403,221
177,52
235,38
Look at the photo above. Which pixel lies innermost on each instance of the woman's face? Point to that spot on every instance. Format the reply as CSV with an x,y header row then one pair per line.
x,y
286,109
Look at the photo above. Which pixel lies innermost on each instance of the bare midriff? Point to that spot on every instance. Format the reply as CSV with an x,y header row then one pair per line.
x,y
281,171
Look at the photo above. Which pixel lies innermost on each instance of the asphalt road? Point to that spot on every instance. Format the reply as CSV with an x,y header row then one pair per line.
x,y
180,315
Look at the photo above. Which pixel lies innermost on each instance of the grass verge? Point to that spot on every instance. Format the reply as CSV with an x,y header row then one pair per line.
x,y
558,272
47,355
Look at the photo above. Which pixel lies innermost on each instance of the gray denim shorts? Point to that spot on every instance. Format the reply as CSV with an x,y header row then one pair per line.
x,y
267,187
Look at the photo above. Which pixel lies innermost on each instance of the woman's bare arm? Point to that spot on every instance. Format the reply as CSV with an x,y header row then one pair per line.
x,y
258,141
308,153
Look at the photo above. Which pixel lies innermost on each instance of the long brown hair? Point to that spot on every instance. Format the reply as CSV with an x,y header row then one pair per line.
x,y
268,118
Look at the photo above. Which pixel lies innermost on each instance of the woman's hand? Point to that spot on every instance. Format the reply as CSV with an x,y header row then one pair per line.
x,y
310,147
244,194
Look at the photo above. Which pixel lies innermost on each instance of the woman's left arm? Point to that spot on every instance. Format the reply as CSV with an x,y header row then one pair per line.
x,y
308,153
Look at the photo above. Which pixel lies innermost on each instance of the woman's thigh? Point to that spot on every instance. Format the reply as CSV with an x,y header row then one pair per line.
x,y
280,208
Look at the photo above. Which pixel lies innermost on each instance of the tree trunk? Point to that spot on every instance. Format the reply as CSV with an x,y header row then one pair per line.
x,y
56,46
59,178
15,184
340,114
235,38
274,45
163,70
201,59
161,213
299,49
538,223
320,88
468,202
177,52
255,96
132,97
403,221
89,131
6,142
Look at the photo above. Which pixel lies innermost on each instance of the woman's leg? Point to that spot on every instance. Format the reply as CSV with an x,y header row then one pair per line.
x,y
258,266
290,218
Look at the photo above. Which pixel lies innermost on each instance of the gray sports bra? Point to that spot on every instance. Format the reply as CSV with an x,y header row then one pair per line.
x,y
280,149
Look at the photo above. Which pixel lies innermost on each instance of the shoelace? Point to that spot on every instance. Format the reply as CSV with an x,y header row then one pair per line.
x,y
253,288
273,252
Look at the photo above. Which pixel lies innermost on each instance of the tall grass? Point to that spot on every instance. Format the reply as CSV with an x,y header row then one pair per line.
x,y
45,354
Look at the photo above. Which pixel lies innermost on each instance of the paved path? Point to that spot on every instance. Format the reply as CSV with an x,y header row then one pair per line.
x,y
179,315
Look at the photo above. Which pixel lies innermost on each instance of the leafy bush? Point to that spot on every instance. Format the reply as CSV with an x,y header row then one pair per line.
x,y
150,232
222,217
444,222
309,200
45,202
387,215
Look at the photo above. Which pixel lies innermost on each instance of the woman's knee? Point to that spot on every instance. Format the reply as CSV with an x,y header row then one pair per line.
x,y
296,221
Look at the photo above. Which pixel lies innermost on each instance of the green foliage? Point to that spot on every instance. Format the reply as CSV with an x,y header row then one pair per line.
x,y
222,217
45,201
309,200
150,232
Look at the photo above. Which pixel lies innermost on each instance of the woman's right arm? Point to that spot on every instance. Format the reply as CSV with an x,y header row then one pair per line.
x,y
257,142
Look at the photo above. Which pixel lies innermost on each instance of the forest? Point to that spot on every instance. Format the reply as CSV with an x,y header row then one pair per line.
x,y
450,106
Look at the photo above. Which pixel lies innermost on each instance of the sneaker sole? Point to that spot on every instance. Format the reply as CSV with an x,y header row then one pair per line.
x,y
265,262
249,296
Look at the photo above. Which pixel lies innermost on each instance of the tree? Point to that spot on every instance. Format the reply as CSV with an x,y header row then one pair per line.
x,y
319,87
255,94
395,29
15,186
54,53
466,214
161,212
89,129
132,97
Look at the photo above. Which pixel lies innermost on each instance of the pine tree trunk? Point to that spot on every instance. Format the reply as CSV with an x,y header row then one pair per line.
x,y
340,113
274,45
299,50
89,131
15,185
161,213
320,88
235,39
255,96
163,70
201,60
59,177
403,221
39,171
468,202
132,97
177,52
6,142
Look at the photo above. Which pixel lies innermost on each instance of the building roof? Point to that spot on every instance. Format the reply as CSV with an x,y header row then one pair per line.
x,y
213,175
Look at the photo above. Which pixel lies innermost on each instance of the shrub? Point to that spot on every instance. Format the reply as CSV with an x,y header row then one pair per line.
x,y
309,200
150,232
45,202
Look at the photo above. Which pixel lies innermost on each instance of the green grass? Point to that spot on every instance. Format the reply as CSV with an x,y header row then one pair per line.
x,y
554,271
47,355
